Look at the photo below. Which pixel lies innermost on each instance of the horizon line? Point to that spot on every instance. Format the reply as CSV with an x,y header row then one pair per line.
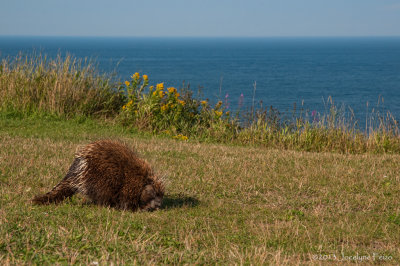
x,y
201,36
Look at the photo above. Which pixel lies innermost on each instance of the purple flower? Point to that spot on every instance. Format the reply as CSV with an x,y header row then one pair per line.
x,y
315,116
226,101
241,100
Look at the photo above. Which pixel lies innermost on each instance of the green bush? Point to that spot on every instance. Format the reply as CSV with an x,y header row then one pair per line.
x,y
165,110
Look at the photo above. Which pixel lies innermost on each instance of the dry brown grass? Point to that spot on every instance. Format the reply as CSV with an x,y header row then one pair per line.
x,y
224,204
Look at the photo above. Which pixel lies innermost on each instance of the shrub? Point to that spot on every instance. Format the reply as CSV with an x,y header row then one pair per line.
x,y
167,110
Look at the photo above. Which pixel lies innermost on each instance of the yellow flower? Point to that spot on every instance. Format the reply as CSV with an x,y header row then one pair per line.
x,y
171,90
158,93
204,102
145,77
218,113
181,102
159,90
181,137
135,76
127,83
160,86
127,104
164,107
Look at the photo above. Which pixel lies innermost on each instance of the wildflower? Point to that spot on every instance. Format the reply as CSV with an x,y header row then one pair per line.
x,y
171,90
127,83
241,100
145,77
135,76
181,102
203,102
159,93
164,107
315,116
177,95
127,104
226,100
160,86
218,113
181,137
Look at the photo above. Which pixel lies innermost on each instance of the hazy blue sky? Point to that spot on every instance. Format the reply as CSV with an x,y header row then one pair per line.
x,y
200,17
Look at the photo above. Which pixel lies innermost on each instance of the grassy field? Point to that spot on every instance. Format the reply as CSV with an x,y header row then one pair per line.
x,y
224,204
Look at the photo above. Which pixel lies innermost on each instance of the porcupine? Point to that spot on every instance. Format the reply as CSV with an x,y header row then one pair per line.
x,y
109,173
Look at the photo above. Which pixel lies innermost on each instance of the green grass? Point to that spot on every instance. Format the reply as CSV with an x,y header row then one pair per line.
x,y
223,204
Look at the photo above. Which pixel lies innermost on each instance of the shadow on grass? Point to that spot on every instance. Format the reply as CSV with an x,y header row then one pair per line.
x,y
178,201
169,201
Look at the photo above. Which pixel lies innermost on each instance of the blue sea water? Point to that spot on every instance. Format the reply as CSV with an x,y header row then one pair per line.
x,y
280,72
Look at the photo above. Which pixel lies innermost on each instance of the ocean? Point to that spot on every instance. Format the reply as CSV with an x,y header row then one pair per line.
x,y
361,73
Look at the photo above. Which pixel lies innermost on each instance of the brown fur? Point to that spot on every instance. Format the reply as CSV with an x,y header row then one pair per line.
x,y
109,173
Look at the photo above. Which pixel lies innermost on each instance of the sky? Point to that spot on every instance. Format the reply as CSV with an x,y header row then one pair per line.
x,y
200,18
